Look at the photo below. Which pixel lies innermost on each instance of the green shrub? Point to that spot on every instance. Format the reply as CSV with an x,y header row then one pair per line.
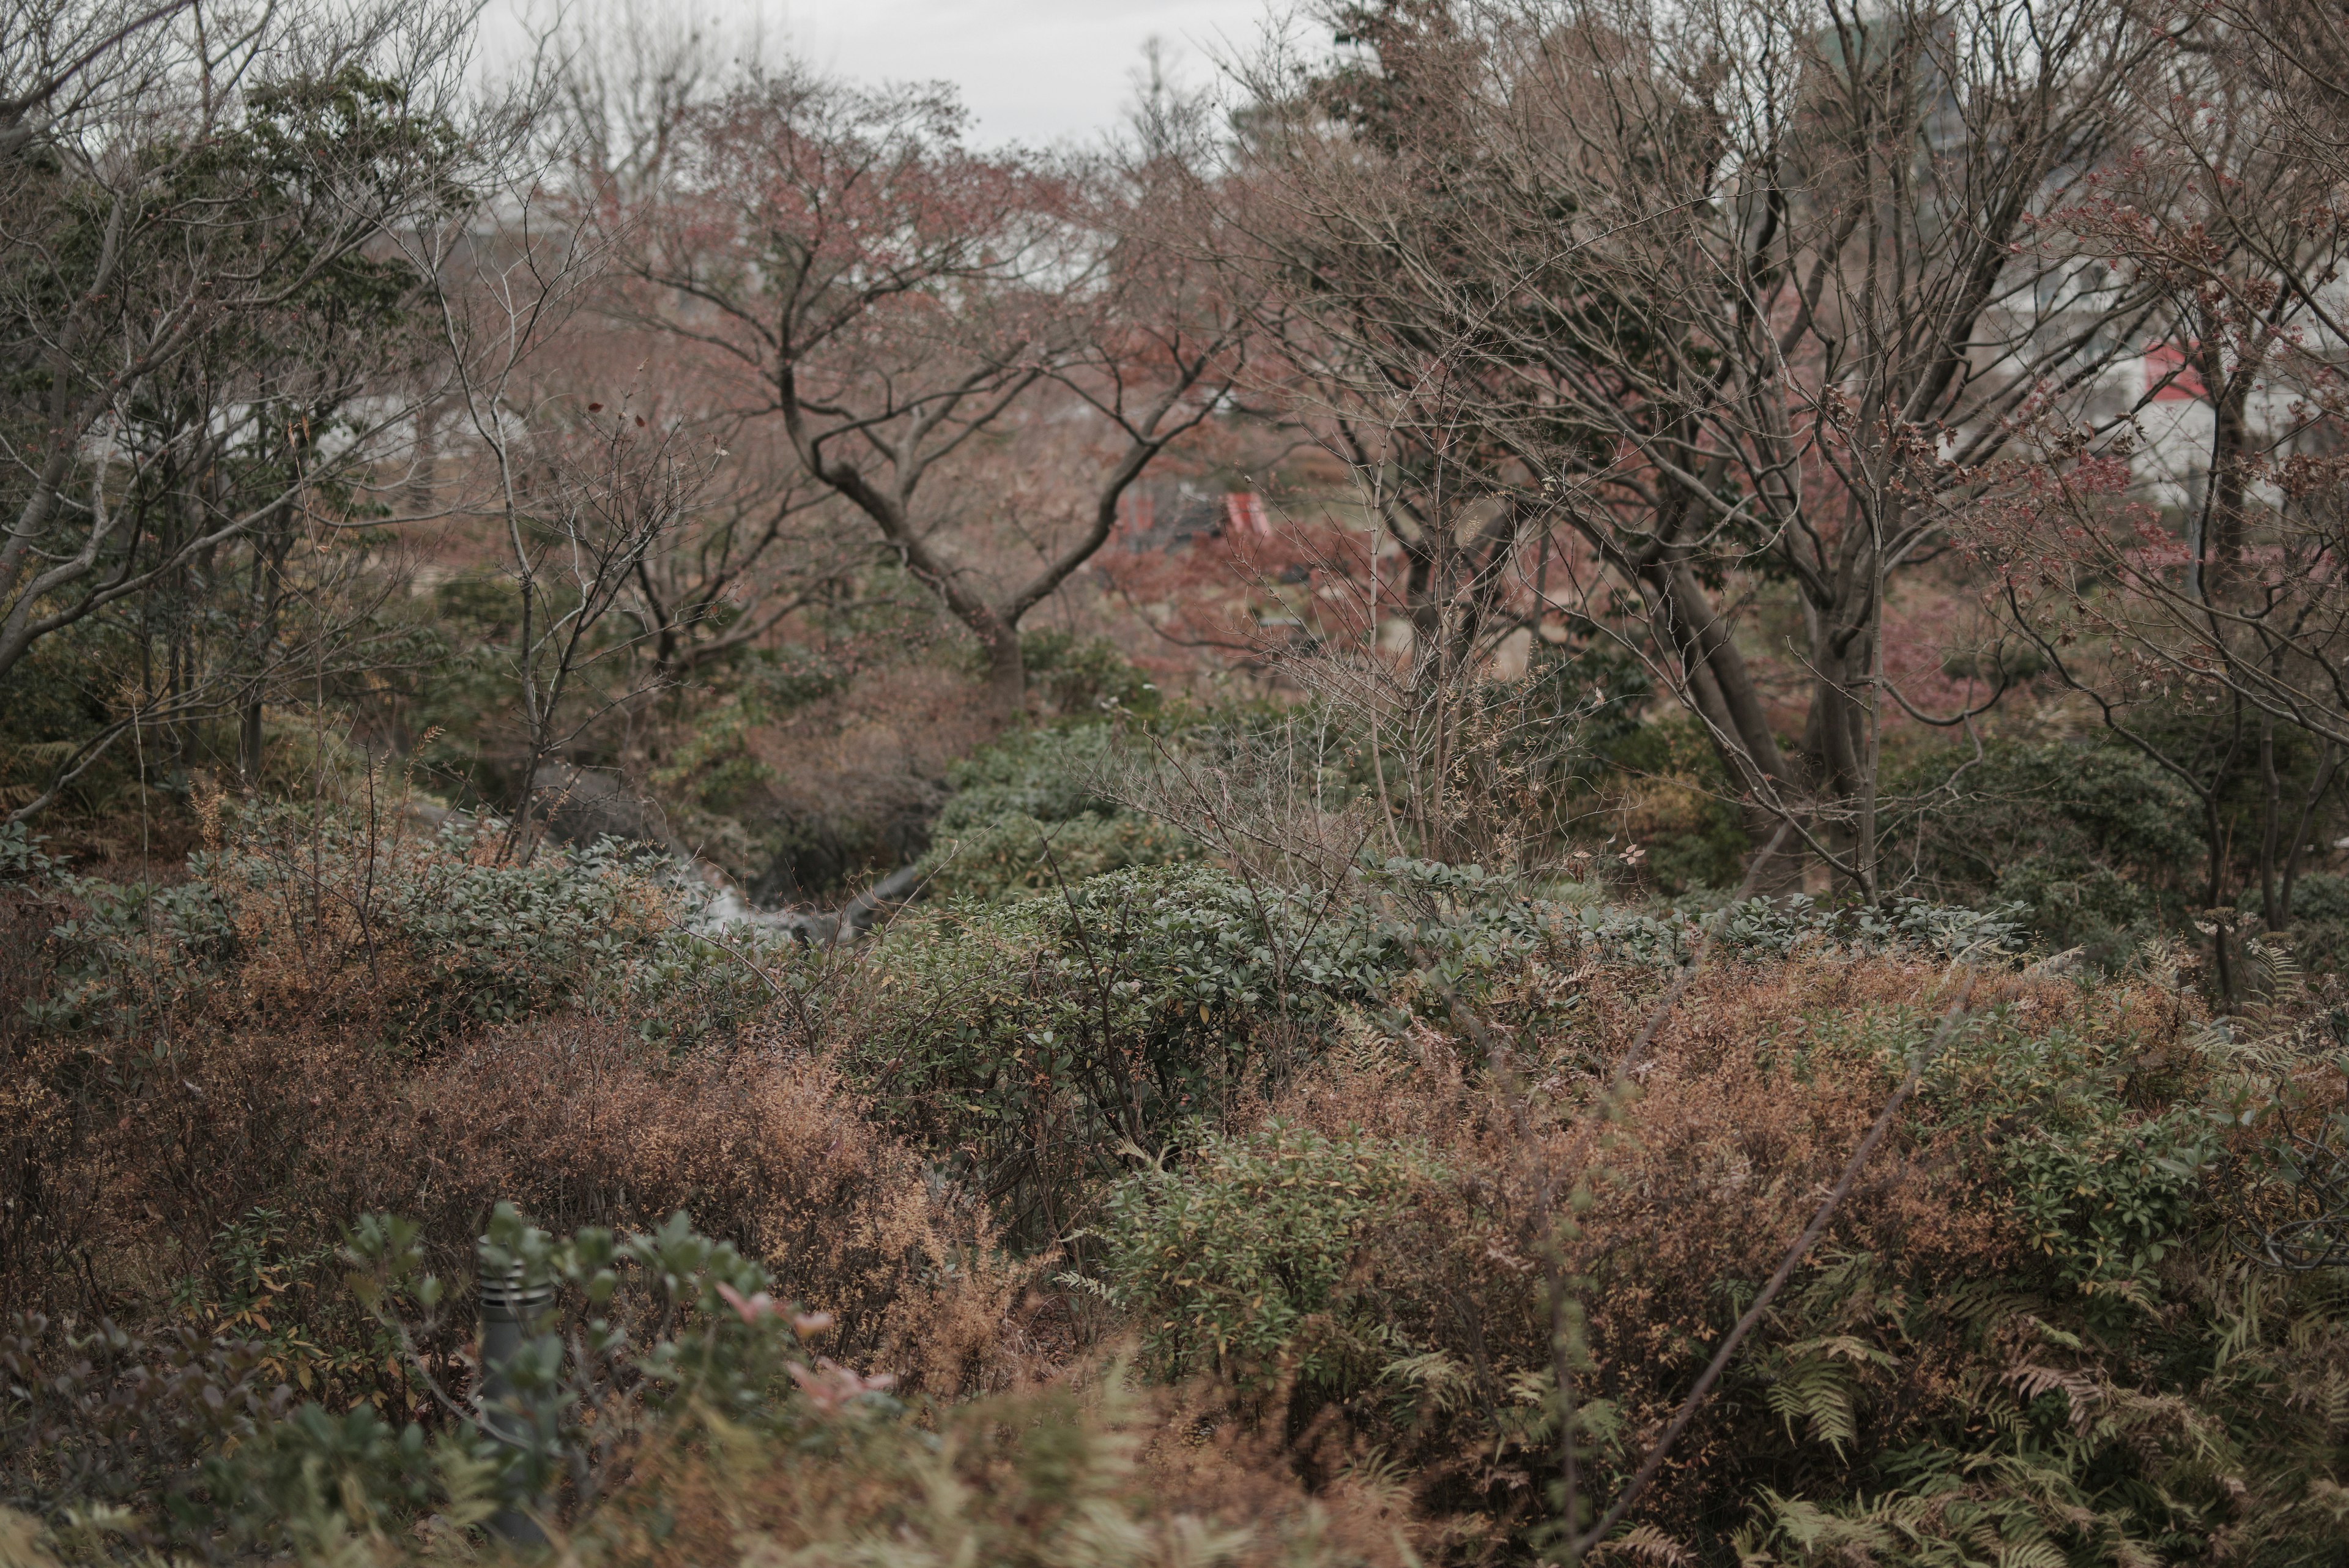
x,y
186,1432
1031,1038
2073,901
325,917
2095,841
112,1418
2320,920
1074,677
1013,856
1682,803
2100,1189
1077,675
1027,814
1242,1262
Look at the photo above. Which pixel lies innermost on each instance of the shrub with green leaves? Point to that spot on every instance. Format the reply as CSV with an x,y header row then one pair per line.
x,y
2101,1190
326,916
1074,677
1703,843
1087,675
1026,817
646,1338
638,1332
1242,1262
2095,841
1030,1038
2320,920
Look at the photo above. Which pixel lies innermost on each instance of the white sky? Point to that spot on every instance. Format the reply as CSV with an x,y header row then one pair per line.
x,y
1029,70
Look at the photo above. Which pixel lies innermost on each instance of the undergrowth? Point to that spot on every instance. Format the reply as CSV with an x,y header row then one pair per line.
x,y
1160,1215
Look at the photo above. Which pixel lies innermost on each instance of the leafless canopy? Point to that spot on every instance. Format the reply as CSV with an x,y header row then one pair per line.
x,y
1735,293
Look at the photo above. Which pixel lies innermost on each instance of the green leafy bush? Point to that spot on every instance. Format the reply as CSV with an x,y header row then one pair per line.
x,y
1031,1038
1015,855
1077,675
2107,1200
126,1420
640,1331
2320,920
328,915
1074,677
1677,800
2095,841
1243,1263
1027,816
2100,1189
188,1433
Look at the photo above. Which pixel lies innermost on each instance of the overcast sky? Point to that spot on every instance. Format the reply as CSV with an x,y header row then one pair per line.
x,y
1029,70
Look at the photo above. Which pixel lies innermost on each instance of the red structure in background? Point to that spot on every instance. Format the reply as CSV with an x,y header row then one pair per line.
x,y
2171,377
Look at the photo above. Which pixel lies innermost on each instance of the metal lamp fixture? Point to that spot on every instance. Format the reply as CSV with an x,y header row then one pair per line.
x,y
509,1304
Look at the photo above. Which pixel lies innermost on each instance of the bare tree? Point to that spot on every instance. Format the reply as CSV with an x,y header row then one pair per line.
x,y
883,299
2179,561
1740,294
60,60
582,498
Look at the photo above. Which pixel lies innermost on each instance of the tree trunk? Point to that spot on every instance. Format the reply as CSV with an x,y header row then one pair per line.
x,y
2271,825
1837,747
1722,690
1007,674
2322,782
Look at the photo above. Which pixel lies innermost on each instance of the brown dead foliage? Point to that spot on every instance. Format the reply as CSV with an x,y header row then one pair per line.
x,y
1081,1472
569,1119
1758,1089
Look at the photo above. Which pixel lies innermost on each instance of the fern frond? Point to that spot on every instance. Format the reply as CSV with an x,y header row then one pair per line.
x,y
1813,1383
1646,1543
2082,1392
2040,1554
1445,1384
